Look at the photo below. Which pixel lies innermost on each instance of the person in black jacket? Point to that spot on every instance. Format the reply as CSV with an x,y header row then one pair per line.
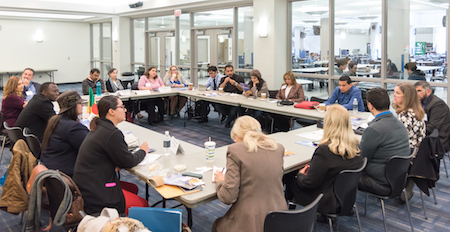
x,y
413,72
102,153
39,110
64,134
338,150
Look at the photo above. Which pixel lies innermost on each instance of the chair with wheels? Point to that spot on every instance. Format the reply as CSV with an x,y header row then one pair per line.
x,y
293,220
345,187
33,143
396,171
158,219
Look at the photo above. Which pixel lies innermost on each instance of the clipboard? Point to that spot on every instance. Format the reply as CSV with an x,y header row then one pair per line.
x,y
168,191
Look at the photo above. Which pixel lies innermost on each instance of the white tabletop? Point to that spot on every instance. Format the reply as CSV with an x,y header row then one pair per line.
x,y
311,70
429,68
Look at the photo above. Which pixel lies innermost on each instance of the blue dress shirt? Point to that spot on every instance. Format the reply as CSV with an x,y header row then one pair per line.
x,y
346,99
30,88
210,82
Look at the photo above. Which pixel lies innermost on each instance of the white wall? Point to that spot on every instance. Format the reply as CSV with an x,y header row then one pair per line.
x,y
65,46
351,42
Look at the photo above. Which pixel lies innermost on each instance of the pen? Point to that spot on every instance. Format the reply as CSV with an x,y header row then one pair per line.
x,y
222,170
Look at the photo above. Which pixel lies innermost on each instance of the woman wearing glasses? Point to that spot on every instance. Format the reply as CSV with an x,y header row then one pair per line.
x,y
102,153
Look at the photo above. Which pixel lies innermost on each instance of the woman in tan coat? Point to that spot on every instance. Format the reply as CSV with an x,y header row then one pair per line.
x,y
253,179
290,90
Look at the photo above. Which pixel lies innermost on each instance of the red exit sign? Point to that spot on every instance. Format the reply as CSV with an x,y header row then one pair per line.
x,y
177,13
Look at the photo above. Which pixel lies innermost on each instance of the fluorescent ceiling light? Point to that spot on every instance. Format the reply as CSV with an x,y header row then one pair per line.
x,y
42,15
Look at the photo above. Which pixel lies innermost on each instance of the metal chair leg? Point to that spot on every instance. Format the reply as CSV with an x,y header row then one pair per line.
x,y
357,216
445,165
423,205
330,223
434,196
3,146
384,214
365,205
409,211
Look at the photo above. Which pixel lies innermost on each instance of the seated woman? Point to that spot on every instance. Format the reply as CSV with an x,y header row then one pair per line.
x,y
174,79
102,153
289,91
257,87
113,85
151,81
409,110
64,134
252,182
12,103
338,150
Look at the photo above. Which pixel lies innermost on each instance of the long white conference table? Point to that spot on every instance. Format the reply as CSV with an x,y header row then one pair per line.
x,y
194,156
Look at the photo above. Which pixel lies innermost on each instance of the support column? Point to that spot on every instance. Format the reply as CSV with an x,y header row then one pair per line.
x,y
121,48
398,32
270,52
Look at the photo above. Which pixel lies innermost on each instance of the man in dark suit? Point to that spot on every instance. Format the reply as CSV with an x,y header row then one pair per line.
x,y
30,88
438,113
39,110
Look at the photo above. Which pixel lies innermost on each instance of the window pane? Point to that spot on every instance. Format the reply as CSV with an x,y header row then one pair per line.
x,y
138,70
314,87
357,38
213,18
96,41
139,40
246,76
107,43
416,34
310,26
245,36
186,72
163,22
185,40
104,73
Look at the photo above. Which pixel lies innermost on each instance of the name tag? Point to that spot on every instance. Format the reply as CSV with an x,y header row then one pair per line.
x,y
29,93
148,85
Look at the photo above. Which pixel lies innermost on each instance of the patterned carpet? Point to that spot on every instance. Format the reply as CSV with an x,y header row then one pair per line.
x,y
204,216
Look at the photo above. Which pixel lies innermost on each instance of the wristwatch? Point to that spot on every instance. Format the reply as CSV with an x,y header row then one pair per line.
x,y
236,83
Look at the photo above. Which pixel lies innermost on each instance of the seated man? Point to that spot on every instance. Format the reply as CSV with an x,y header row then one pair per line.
x,y
213,82
385,137
345,94
352,67
30,88
91,81
39,110
438,113
230,84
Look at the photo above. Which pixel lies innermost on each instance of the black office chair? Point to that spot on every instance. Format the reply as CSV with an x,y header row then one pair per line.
x,y
345,187
293,220
14,134
4,136
396,171
33,143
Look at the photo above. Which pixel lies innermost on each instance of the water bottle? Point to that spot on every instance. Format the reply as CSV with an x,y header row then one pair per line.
x,y
129,86
99,88
167,144
355,106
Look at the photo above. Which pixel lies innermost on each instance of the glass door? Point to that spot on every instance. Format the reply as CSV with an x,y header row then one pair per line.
x,y
214,48
162,51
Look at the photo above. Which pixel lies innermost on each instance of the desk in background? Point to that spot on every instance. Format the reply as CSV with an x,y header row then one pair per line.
x,y
50,72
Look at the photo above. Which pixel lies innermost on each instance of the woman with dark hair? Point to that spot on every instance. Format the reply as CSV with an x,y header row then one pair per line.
x,y
257,85
391,68
12,103
64,134
113,85
413,72
151,81
102,153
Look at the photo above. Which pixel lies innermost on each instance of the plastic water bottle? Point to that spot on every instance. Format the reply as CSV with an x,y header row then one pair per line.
x,y
99,88
355,106
129,86
167,144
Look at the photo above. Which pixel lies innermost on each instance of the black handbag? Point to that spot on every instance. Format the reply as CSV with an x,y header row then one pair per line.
x,y
284,103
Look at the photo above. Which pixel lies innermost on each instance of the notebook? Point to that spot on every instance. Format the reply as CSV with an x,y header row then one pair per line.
x,y
245,87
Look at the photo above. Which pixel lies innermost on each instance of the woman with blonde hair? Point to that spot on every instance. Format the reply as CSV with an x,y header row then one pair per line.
x,y
174,79
290,90
252,182
338,150
13,102
409,111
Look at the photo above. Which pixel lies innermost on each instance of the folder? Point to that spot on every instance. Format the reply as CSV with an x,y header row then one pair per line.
x,y
158,219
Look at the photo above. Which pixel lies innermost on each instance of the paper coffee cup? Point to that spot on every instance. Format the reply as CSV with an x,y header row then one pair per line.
x,y
191,86
322,106
263,96
210,148
220,90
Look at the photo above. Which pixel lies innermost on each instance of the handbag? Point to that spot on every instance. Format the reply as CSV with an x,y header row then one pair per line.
x,y
73,216
307,105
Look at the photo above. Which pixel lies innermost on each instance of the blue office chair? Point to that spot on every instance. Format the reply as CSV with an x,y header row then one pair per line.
x,y
158,219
